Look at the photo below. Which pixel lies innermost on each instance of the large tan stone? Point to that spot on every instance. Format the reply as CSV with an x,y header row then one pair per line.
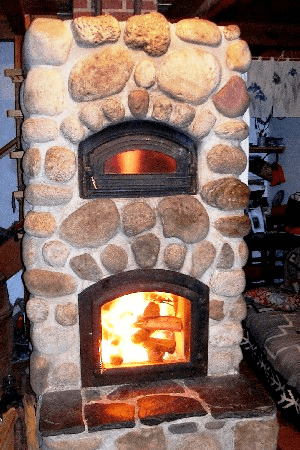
x,y
223,361
44,92
91,116
226,194
91,225
74,442
233,99
65,375
39,130
66,314
231,32
96,30
32,162
146,438
145,74
232,129
114,258
162,108
51,339
49,284
199,441
174,256
226,159
233,226
189,75
149,32
243,252
113,109
226,257
145,249
229,283
55,253
256,434
138,217
199,31
37,309
72,129
40,224
237,310
138,103
86,267
225,334
100,74
60,164
182,115
48,195
47,41
30,250
238,56
216,309
202,258
39,372
183,217
203,123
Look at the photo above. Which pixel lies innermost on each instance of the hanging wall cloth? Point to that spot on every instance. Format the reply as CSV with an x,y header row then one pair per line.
x,y
274,87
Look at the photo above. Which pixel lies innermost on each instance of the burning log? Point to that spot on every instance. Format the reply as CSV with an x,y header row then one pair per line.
x,y
169,323
141,336
116,360
162,345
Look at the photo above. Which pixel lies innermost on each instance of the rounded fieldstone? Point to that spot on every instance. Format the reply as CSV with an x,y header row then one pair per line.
x,y
183,217
226,257
200,441
96,30
233,226
182,115
37,309
113,109
199,31
232,129
72,129
39,371
91,116
228,283
32,162
55,253
243,253
231,32
189,75
44,92
39,224
226,159
226,194
174,256
47,41
85,267
29,250
39,130
238,310
238,56
138,103
256,434
225,334
224,362
145,74
60,164
216,309
162,109
233,99
67,374
202,258
149,32
52,340
100,74
145,249
49,284
66,314
48,195
91,225
146,438
79,442
114,258
138,217
203,123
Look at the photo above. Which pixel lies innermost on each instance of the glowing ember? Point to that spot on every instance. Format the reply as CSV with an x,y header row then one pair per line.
x,y
145,328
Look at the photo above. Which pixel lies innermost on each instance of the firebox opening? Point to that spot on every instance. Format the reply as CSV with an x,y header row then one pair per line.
x,y
135,158
143,324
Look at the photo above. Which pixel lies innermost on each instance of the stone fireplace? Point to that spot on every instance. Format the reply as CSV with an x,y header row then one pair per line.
x,y
134,165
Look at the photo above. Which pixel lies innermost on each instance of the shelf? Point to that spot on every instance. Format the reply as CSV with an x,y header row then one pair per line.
x,y
254,149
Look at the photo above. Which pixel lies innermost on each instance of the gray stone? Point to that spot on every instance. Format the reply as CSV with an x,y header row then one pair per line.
x,y
145,74
145,438
182,115
162,108
226,159
174,256
225,334
189,75
224,361
48,195
238,56
86,267
91,116
233,226
231,32
91,225
138,217
113,109
37,309
55,253
114,258
228,283
32,162
77,442
226,257
49,284
60,164
184,217
202,258
96,30
47,41
72,129
200,441
66,314
216,309
233,99
202,123
138,102
232,129
100,74
39,130
145,249
29,250
39,224
237,309
39,371
52,340
226,194
67,374
243,253
149,32
256,434
215,424
199,31
183,428
44,92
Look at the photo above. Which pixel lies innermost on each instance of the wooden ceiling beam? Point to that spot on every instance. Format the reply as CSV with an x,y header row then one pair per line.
x,y
14,11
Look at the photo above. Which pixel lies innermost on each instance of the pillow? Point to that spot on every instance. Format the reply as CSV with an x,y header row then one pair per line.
x,y
277,298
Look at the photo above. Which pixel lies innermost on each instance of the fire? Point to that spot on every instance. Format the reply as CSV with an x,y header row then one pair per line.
x,y
145,328
140,161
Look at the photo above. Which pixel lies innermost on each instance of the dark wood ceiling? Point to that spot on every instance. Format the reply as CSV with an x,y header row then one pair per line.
x,y
271,27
